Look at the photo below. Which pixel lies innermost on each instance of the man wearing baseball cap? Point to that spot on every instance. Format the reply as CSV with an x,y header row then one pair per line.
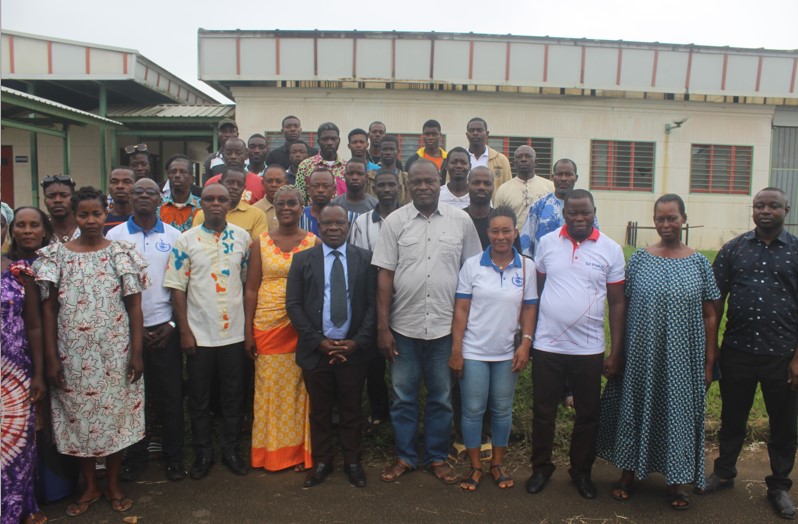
x,y
214,164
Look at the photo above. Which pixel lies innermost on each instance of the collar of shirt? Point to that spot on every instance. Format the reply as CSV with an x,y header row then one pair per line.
x,y
134,228
594,235
318,160
421,215
193,200
260,174
783,237
487,262
242,206
375,216
483,155
341,249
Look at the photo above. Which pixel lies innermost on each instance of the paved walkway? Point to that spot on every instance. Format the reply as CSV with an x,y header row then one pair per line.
x,y
419,498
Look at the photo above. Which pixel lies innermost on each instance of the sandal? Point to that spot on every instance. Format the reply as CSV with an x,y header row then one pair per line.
x,y
79,507
457,451
678,500
300,468
120,504
486,450
470,484
443,472
372,425
502,478
36,518
621,492
395,470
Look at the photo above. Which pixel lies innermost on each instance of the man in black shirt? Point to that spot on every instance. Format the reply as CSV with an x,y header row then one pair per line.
x,y
758,272
292,133
480,191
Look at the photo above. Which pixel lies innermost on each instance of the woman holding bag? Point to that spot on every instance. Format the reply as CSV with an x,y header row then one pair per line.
x,y
496,294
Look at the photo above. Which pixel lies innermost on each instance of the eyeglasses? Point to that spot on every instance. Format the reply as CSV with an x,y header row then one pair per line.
x,y
63,179
141,148
286,203
148,192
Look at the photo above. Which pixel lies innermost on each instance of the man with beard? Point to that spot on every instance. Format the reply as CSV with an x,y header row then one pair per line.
x,y
58,191
356,199
292,133
484,155
252,220
120,185
238,154
480,192
523,190
329,137
455,192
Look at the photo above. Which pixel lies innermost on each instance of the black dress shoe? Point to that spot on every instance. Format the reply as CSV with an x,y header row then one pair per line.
x,y
175,471
713,484
586,487
201,467
131,471
317,475
536,482
235,464
782,503
356,475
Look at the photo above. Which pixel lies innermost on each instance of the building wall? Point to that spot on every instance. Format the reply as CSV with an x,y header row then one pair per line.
x,y
571,121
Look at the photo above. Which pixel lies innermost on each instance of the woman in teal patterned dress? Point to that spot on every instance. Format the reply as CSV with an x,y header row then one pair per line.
x,y
652,413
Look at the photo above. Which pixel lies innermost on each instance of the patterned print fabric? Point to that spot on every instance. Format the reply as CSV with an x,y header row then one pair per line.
x,y
98,412
281,431
18,418
652,416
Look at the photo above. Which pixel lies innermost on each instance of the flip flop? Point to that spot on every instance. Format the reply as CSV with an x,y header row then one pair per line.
x,y
678,501
444,472
120,504
79,507
624,489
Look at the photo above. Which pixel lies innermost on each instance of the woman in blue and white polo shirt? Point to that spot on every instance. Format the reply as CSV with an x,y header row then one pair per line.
x,y
488,311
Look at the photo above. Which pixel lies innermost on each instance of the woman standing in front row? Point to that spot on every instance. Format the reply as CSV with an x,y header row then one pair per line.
x,y
652,413
93,336
496,292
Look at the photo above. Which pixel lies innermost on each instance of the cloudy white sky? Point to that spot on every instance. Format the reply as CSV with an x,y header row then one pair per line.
x,y
165,31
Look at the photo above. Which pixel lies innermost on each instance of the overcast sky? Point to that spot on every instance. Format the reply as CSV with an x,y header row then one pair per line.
x,y
165,31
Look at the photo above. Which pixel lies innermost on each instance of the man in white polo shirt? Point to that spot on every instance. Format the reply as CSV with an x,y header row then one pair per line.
x,y
578,267
163,361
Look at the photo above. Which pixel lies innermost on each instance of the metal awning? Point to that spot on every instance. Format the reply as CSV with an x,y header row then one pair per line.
x,y
155,113
34,113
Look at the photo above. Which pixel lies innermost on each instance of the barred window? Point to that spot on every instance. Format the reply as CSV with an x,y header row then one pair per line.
x,y
542,147
622,166
720,169
409,143
275,139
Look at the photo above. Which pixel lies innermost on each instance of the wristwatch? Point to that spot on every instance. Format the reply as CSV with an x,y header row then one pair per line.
x,y
528,336
172,323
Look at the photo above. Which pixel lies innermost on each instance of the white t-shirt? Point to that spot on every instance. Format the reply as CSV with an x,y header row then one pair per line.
x,y
155,246
495,303
571,313
446,197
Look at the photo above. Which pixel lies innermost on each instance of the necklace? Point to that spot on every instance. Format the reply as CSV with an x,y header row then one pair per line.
x,y
503,264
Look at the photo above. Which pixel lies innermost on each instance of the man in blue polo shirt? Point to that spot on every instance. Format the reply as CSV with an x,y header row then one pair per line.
x,y
163,361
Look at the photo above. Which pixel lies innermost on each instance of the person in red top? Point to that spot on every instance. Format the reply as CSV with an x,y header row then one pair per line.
x,y
236,153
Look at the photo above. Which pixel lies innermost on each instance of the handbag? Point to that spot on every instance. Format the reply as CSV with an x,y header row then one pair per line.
x,y
519,335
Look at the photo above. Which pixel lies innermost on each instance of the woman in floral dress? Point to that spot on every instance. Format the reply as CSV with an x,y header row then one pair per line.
x,y
22,364
281,431
93,335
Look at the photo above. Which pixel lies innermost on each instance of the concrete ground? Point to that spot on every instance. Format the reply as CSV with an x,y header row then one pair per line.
x,y
419,498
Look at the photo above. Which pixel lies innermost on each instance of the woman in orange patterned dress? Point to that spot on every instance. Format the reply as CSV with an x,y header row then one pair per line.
x,y
280,432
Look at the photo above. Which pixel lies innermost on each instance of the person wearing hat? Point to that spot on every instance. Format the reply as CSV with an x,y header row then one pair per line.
x,y
214,164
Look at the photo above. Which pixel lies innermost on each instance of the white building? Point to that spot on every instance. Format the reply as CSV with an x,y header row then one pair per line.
x,y
640,119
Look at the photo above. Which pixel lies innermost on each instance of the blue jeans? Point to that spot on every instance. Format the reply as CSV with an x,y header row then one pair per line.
x,y
428,359
488,385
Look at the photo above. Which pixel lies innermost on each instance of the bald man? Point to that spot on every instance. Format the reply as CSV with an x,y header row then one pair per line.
x,y
163,362
523,190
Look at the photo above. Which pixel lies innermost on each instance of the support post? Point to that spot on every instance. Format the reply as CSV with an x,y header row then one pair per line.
x,y
34,168
103,110
67,151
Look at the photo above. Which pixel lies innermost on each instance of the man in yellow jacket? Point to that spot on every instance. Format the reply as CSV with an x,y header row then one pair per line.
x,y
484,155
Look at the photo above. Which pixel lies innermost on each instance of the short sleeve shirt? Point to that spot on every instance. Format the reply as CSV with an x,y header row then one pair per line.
x,y
426,255
761,281
155,246
247,217
571,311
211,268
496,296
519,195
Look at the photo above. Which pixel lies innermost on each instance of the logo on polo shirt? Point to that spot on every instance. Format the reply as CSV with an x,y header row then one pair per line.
x,y
518,280
162,246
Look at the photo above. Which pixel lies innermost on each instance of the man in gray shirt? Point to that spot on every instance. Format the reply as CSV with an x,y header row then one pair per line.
x,y
356,199
420,250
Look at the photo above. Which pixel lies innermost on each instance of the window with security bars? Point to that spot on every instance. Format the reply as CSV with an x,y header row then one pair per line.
x,y
718,169
275,139
410,143
542,147
621,166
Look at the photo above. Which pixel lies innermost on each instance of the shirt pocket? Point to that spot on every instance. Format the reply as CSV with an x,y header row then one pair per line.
x,y
450,245
409,250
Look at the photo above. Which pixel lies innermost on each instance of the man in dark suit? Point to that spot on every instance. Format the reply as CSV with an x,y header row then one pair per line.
x,y
331,301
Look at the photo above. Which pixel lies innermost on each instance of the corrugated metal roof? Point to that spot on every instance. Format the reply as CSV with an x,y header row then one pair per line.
x,y
172,111
45,101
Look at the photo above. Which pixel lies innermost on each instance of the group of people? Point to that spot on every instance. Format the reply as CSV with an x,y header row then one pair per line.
x,y
288,282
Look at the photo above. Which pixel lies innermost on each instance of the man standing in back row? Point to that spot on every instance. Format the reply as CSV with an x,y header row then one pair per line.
x,y
329,137
526,188
484,155
758,272
432,150
292,133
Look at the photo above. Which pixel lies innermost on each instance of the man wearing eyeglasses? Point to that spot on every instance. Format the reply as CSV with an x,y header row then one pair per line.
x,y
58,191
163,362
241,214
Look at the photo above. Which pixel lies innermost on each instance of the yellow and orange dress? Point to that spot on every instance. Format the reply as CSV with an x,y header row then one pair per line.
x,y
281,431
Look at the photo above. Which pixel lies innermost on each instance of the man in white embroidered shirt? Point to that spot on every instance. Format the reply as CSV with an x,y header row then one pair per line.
x,y
578,267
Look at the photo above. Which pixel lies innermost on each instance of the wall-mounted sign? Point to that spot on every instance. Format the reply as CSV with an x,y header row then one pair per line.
x,y
21,159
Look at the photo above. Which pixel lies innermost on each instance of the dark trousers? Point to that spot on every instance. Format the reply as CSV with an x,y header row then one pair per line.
x,y
163,384
228,362
377,390
549,373
740,373
341,385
